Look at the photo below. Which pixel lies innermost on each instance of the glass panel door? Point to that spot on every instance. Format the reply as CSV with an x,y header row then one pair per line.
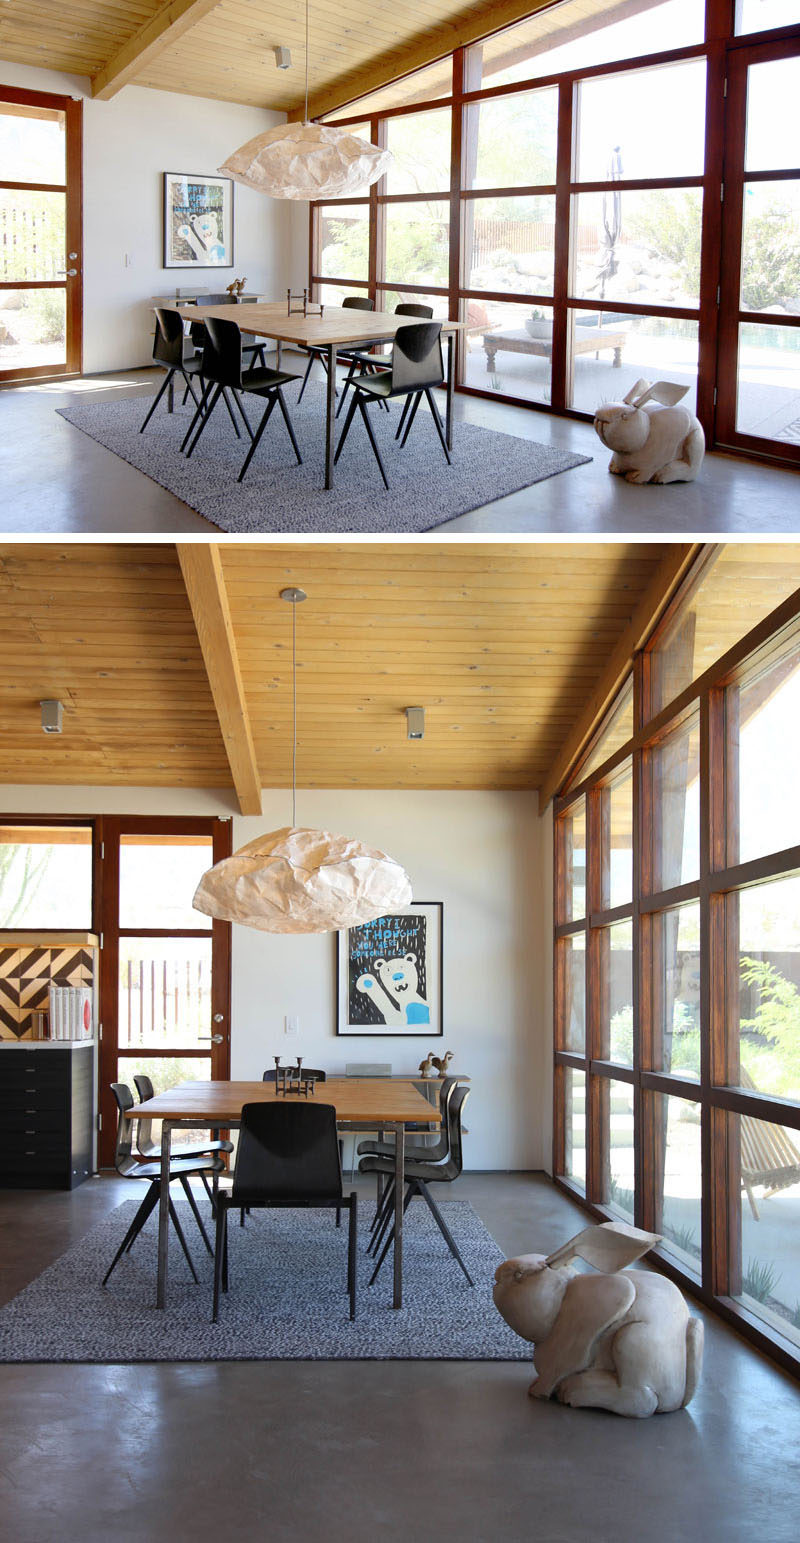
x,y
165,967
759,390
40,234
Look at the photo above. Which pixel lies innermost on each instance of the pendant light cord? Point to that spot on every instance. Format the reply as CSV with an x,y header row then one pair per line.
x,y
305,110
294,714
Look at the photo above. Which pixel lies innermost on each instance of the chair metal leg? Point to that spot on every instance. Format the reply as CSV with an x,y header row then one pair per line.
x,y
231,413
220,1236
187,1190
381,1219
346,430
351,372
209,1191
403,416
382,1202
287,420
309,368
389,1241
202,408
373,441
257,438
156,400
437,420
240,404
181,1239
147,1206
352,1255
410,419
190,391
442,1225
204,420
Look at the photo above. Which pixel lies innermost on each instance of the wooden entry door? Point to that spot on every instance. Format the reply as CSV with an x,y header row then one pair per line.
x,y
758,403
164,968
41,248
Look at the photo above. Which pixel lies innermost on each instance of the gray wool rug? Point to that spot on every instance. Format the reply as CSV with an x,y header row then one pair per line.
x,y
277,495
287,1299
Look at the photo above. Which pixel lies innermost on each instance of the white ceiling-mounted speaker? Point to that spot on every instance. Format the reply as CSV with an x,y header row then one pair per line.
x,y
415,722
52,716
283,58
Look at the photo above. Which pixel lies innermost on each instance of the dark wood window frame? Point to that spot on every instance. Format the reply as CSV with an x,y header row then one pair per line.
x,y
72,188
716,315
721,878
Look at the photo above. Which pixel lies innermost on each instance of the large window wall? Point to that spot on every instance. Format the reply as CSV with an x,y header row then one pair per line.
x,y
559,188
677,946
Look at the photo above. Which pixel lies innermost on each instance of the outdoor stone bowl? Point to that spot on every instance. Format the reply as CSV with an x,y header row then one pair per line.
x,y
618,1340
653,439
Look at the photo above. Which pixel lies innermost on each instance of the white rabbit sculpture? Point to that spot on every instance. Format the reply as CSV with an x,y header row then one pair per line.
x,y
653,440
621,1340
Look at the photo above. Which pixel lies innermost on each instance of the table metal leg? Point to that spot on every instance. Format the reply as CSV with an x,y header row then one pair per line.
x,y
331,415
215,1175
278,353
399,1187
171,394
163,1214
451,366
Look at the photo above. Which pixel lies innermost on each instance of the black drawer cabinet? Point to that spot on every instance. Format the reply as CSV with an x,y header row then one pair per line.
x,y
46,1117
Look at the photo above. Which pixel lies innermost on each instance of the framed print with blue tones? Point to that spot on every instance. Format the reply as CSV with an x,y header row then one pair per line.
x,y
198,221
389,974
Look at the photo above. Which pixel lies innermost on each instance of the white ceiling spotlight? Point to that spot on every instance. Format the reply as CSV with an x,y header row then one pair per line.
x,y
306,160
415,722
297,879
52,715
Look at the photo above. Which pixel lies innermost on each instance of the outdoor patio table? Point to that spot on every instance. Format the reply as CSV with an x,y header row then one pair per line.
x,y
365,1103
339,327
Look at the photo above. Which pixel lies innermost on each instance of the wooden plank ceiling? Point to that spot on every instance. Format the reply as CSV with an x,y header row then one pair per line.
x,y
226,51
502,644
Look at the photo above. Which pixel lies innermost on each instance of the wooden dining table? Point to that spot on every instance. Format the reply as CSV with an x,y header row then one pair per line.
x,y
361,1103
338,327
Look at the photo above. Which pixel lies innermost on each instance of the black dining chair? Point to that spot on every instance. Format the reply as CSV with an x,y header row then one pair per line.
x,y
222,370
148,1148
252,346
350,303
418,1177
415,1150
287,1157
169,351
366,363
416,367
130,1167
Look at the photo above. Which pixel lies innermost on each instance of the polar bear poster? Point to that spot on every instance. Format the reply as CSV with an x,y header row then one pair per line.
x,y
390,974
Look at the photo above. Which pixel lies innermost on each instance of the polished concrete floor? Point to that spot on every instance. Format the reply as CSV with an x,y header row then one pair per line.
x,y
56,481
365,1451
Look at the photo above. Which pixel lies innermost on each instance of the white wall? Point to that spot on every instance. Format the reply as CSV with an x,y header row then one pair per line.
x,y
480,853
127,144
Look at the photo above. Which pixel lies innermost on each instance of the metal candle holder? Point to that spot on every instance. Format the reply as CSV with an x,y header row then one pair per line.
x,y
307,308
290,1079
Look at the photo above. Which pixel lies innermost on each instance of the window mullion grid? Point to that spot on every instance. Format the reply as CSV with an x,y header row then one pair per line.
x,y
642,929
561,371
598,1089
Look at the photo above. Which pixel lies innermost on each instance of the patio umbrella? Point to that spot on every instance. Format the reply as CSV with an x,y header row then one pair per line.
x,y
611,222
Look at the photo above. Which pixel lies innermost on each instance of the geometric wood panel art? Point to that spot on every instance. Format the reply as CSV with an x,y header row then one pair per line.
x,y
26,975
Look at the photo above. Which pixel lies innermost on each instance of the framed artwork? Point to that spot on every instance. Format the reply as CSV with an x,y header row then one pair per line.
x,y
389,974
198,221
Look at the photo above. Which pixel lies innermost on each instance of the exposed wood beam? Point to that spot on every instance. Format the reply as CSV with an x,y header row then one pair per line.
x,y
205,587
671,573
426,48
166,27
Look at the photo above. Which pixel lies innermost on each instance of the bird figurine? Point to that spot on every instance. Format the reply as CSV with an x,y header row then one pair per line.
x,y
426,1066
442,1065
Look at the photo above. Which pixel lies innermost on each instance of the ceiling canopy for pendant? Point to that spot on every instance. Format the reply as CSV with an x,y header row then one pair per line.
x,y
302,880
307,160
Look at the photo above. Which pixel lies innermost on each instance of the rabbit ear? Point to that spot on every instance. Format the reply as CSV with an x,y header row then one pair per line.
x,y
640,391
665,392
